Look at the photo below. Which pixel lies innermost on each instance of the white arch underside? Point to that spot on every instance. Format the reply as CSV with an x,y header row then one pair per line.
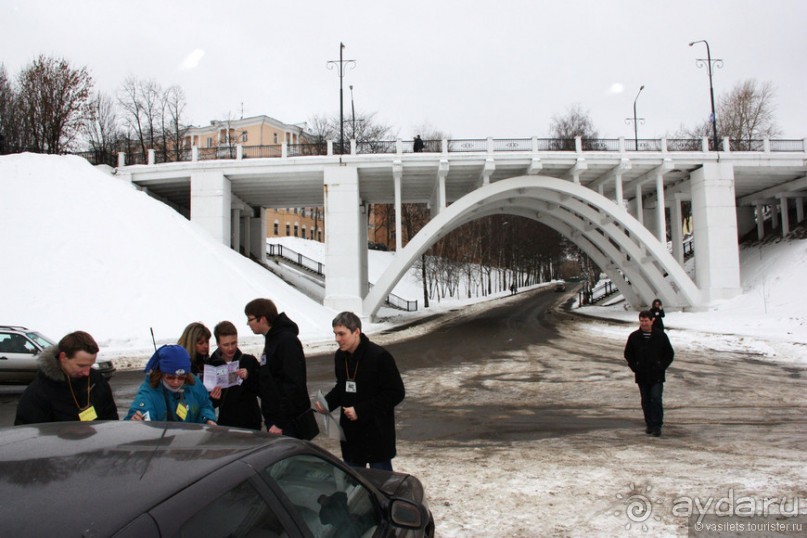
x,y
607,233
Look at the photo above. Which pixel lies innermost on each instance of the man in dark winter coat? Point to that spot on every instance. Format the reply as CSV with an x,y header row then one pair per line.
x,y
649,353
368,387
282,377
66,387
238,404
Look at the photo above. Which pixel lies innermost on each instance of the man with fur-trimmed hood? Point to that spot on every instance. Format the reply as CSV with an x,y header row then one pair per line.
x,y
66,387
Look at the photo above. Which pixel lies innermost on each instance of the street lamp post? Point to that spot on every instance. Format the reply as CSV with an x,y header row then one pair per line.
x,y
342,64
709,62
352,111
636,121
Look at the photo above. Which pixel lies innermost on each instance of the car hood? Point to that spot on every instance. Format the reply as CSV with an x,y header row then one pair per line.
x,y
395,484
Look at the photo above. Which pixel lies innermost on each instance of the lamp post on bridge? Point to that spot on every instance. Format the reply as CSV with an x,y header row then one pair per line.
x,y
710,63
352,111
636,121
342,64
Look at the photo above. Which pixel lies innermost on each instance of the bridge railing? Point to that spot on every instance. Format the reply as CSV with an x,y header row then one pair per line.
x,y
318,268
455,145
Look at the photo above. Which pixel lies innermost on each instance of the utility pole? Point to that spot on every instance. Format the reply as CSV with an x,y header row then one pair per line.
x,y
342,65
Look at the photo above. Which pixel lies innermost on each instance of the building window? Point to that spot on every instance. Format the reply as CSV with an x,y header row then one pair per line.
x,y
288,229
275,138
319,236
296,230
210,141
311,234
276,229
303,234
243,136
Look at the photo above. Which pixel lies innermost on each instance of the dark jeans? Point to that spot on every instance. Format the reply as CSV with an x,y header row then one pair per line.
x,y
651,404
382,465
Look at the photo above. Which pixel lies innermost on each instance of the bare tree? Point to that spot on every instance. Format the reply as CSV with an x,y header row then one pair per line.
x,y
174,99
54,102
102,131
746,113
141,101
10,125
575,122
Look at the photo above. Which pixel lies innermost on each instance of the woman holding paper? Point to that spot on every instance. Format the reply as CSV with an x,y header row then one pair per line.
x,y
170,392
237,403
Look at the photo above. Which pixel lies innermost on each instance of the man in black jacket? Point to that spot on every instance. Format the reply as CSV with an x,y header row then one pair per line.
x,y
649,353
282,377
66,387
368,387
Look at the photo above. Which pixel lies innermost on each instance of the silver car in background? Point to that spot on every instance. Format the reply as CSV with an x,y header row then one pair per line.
x,y
19,350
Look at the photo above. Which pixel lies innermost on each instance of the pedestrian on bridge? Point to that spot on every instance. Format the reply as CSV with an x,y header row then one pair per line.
x,y
418,144
649,354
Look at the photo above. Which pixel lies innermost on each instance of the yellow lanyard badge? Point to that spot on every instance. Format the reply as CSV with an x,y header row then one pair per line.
x,y
88,414
182,411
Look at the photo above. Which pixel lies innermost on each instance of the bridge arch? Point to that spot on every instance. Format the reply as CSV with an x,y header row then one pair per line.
x,y
605,231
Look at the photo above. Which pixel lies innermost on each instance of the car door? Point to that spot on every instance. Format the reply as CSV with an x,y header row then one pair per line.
x,y
17,358
230,502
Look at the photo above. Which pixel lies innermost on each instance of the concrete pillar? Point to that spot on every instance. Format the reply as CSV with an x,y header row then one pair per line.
x,y
661,219
235,229
121,159
639,209
714,215
785,216
799,209
152,156
345,240
246,233
676,233
211,198
745,220
620,198
760,217
774,216
257,235
397,175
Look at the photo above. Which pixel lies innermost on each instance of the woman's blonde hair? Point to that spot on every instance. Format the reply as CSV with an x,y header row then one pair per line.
x,y
191,335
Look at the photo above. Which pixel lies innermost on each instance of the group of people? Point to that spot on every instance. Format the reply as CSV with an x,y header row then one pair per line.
x,y
649,354
271,392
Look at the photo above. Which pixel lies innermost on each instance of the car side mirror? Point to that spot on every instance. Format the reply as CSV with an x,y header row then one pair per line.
x,y
408,514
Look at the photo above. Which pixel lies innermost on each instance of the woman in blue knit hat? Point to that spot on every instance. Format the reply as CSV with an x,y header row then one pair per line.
x,y
171,392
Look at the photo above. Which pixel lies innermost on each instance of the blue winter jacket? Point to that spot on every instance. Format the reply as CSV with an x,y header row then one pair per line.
x,y
153,400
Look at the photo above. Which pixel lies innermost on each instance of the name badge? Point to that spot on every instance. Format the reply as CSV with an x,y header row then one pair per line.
x,y
88,414
182,411
350,386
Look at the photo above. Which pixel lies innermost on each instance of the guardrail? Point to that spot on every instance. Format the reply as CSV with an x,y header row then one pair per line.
x,y
318,268
592,295
461,145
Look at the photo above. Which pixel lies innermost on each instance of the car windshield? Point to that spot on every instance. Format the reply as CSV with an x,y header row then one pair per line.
x,y
40,339
330,501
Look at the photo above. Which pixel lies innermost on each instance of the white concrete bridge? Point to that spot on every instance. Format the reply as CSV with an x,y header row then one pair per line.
x,y
609,201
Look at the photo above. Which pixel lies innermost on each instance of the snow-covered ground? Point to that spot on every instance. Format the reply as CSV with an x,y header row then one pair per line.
x,y
84,250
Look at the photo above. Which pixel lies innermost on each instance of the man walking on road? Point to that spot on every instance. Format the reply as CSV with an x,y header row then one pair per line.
x,y
649,354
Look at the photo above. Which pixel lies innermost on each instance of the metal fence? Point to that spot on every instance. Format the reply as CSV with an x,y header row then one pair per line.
x,y
273,249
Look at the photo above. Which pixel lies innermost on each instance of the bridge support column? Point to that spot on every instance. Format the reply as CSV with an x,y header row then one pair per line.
x,y
785,216
246,233
345,241
257,236
235,229
676,231
211,199
760,214
714,213
397,176
745,220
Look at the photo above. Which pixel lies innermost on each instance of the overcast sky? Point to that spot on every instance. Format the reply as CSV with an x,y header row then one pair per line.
x,y
469,68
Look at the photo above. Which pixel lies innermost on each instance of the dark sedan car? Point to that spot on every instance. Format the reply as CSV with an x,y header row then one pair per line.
x,y
19,350
130,479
